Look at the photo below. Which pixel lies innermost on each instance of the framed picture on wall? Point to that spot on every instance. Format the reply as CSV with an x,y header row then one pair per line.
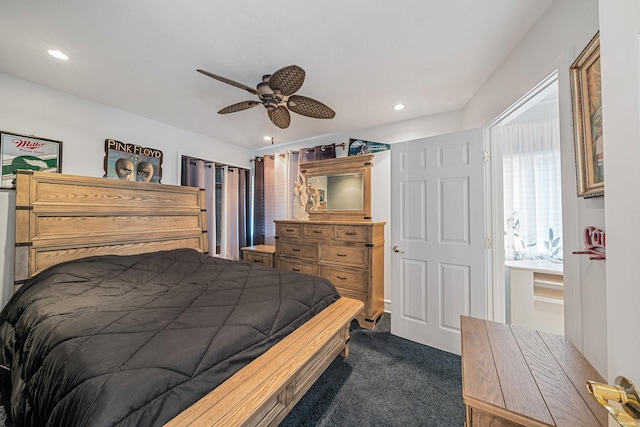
x,y
586,96
28,152
130,162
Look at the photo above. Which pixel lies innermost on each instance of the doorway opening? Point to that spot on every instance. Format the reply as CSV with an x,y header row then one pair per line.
x,y
527,211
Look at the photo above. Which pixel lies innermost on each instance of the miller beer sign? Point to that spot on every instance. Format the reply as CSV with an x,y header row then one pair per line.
x,y
22,152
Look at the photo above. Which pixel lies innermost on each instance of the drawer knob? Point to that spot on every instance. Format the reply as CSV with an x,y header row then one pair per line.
x,y
317,231
295,249
290,230
350,233
341,277
341,254
295,269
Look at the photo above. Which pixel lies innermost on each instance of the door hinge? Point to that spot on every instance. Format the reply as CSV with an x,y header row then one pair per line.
x,y
487,156
487,243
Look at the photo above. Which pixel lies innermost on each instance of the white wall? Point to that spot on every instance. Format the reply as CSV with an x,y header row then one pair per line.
x,y
553,44
83,126
620,47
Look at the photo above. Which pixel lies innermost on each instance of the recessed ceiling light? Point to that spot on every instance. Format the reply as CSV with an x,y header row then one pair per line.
x,y
58,54
267,138
398,107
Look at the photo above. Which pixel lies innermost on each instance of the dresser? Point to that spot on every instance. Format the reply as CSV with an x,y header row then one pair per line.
x,y
516,376
349,254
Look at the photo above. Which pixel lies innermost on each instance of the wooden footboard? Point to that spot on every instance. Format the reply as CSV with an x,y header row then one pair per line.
x,y
263,392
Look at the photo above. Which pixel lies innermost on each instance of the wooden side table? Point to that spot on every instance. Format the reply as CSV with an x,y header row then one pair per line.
x,y
515,376
262,254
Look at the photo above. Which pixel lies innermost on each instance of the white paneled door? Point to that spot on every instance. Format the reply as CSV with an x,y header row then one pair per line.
x,y
438,240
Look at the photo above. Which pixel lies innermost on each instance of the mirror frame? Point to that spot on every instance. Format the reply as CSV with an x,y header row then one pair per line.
x,y
340,166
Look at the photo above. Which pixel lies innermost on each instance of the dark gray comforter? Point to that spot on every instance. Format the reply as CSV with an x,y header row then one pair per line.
x,y
135,340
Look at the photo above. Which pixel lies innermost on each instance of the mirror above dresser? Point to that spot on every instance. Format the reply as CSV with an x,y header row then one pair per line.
x,y
339,189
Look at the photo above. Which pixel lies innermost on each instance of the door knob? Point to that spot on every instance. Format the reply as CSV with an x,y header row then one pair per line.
x,y
396,249
624,392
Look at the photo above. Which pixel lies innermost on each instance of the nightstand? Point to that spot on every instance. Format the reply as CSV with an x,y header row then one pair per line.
x,y
261,254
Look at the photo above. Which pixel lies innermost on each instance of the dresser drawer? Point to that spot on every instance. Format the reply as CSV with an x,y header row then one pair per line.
x,y
349,255
317,231
262,254
345,279
289,230
351,234
298,266
258,258
297,250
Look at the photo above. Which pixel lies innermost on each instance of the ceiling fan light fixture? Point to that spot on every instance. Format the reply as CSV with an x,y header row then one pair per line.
x,y
398,107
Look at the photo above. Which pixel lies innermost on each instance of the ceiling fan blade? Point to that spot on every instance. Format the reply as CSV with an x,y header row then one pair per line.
x,y
288,79
228,81
309,107
238,107
280,117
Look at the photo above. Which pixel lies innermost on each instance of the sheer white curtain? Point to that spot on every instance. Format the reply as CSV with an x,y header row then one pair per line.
x,y
229,244
532,190
283,185
277,187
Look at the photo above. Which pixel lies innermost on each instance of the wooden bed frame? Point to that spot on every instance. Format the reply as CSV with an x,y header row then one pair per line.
x,y
64,217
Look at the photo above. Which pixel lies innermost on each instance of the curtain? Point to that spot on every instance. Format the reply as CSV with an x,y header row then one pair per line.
x,y
319,152
307,155
277,179
226,200
532,191
201,174
269,201
230,243
282,184
258,202
244,184
276,193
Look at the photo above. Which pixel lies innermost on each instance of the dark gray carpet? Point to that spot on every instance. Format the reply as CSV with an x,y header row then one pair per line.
x,y
385,381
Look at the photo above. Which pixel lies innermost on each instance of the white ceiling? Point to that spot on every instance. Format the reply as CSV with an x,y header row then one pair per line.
x,y
360,56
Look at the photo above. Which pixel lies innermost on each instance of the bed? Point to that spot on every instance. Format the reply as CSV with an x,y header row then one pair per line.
x,y
76,237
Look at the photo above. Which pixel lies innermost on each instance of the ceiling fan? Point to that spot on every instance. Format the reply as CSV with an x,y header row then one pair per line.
x,y
276,93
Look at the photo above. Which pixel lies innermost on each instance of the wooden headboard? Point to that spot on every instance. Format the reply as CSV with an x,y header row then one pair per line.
x,y
63,217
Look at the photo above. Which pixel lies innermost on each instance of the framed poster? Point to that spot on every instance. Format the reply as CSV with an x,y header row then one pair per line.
x,y
360,146
26,152
130,162
586,97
